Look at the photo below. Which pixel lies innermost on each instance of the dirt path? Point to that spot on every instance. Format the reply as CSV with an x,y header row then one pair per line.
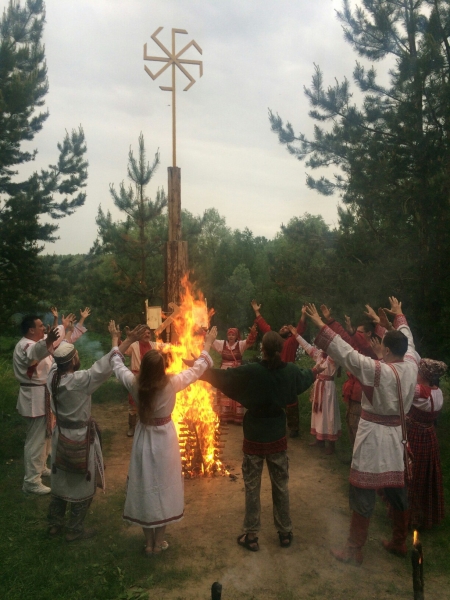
x,y
205,540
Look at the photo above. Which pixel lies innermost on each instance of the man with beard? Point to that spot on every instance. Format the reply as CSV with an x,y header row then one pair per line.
x,y
288,355
71,391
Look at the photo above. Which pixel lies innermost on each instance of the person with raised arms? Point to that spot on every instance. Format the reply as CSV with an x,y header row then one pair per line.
x,y
378,452
155,487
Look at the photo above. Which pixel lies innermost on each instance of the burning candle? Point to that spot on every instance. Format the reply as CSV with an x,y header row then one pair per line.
x,y
417,566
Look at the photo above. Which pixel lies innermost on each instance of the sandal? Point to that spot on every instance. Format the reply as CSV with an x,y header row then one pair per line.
x,y
161,547
251,544
285,539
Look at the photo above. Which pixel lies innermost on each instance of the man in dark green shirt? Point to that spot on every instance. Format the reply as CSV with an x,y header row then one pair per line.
x,y
265,389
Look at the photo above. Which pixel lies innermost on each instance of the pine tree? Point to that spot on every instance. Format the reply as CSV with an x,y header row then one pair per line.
x,y
392,151
53,193
134,247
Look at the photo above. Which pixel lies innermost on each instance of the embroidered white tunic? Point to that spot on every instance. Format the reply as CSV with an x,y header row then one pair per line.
x,y
325,415
32,363
378,451
74,404
155,488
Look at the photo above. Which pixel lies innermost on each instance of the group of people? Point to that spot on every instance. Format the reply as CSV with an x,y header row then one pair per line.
x,y
385,374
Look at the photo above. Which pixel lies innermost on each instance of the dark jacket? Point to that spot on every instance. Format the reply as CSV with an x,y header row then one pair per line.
x,y
265,393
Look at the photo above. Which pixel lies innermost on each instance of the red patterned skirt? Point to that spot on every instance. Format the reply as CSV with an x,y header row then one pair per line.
x,y
228,410
426,492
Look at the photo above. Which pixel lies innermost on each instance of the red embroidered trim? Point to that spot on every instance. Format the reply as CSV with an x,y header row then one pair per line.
x,y
324,338
387,420
263,448
373,481
400,320
331,437
117,353
158,421
377,377
153,523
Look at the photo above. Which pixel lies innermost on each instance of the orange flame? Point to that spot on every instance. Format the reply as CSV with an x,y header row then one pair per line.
x,y
193,414
415,537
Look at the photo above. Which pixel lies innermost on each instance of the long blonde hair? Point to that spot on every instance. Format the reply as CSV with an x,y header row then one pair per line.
x,y
152,378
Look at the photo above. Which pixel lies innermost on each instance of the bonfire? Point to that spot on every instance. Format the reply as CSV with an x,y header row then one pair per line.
x,y
197,424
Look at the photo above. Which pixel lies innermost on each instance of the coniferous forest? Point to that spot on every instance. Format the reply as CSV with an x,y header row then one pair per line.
x,y
386,159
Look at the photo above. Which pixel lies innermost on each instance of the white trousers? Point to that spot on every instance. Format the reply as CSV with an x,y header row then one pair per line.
x,y
37,448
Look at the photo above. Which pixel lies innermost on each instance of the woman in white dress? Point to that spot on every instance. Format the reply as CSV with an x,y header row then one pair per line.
x,y
325,414
155,487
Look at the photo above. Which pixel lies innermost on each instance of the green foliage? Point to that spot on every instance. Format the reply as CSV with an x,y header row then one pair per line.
x,y
134,245
390,156
55,192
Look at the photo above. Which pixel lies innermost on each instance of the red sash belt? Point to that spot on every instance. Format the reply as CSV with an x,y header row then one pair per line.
x,y
387,420
158,422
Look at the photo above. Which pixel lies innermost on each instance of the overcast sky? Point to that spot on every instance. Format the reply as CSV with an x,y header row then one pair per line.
x,y
256,55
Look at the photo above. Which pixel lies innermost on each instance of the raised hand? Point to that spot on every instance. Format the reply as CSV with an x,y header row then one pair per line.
x,y
292,330
325,311
113,329
312,313
54,311
85,313
135,334
256,307
67,320
348,325
371,314
209,338
384,321
396,306
376,346
52,336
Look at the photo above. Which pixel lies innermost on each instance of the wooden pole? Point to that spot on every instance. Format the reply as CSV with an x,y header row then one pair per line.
x,y
174,119
174,203
176,263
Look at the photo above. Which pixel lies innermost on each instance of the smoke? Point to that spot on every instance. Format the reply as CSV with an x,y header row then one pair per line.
x,y
89,349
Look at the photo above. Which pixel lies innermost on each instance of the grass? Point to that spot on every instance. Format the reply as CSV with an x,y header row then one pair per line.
x,y
34,566
436,542
106,568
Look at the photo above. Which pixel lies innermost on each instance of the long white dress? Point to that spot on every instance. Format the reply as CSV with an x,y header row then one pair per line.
x,y
155,487
325,415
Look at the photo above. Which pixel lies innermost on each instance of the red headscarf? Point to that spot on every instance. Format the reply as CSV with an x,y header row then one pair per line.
x,y
234,331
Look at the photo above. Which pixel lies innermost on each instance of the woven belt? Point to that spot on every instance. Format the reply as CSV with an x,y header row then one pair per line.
x,y
325,377
32,385
71,424
158,422
387,420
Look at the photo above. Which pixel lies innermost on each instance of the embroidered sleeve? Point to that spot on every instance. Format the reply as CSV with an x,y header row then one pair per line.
x,y
324,338
262,325
313,352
